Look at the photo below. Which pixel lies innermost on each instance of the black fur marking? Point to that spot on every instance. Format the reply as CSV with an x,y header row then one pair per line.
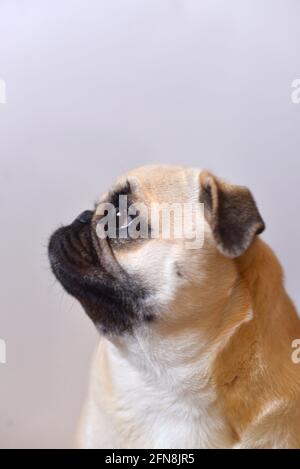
x,y
114,196
206,197
178,270
125,241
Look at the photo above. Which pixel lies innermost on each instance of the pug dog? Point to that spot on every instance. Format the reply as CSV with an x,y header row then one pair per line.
x,y
196,344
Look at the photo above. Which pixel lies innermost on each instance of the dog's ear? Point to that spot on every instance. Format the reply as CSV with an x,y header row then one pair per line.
x,y
231,213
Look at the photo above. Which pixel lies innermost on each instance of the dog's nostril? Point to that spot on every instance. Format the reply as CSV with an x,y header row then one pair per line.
x,y
85,217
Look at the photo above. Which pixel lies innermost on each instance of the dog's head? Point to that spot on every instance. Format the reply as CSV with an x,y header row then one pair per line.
x,y
132,267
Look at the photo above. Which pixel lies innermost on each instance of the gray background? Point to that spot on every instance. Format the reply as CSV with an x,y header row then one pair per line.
x,y
93,89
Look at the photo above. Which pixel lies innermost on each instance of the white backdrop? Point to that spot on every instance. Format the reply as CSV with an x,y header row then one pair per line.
x,y
94,88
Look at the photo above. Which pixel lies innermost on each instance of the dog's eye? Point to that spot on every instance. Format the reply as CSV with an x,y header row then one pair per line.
x,y
124,220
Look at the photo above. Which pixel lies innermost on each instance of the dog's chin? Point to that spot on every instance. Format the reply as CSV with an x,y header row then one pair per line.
x,y
112,299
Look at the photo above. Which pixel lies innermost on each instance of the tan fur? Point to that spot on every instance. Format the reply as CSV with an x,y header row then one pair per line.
x,y
256,367
215,369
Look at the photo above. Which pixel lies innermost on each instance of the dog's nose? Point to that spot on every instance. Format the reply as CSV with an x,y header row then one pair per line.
x,y
85,217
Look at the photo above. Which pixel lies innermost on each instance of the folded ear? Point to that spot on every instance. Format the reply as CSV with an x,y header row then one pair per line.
x,y
231,213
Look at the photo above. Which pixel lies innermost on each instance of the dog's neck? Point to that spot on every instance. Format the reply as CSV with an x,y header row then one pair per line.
x,y
200,373
173,369
210,348
250,360
181,355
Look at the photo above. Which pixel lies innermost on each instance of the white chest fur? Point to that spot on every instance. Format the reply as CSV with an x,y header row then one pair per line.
x,y
161,408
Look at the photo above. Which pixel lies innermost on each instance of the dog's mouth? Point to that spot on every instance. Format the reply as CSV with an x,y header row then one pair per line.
x,y
88,270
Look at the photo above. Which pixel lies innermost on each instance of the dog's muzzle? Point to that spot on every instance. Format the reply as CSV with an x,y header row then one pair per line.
x,y
88,270
71,247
